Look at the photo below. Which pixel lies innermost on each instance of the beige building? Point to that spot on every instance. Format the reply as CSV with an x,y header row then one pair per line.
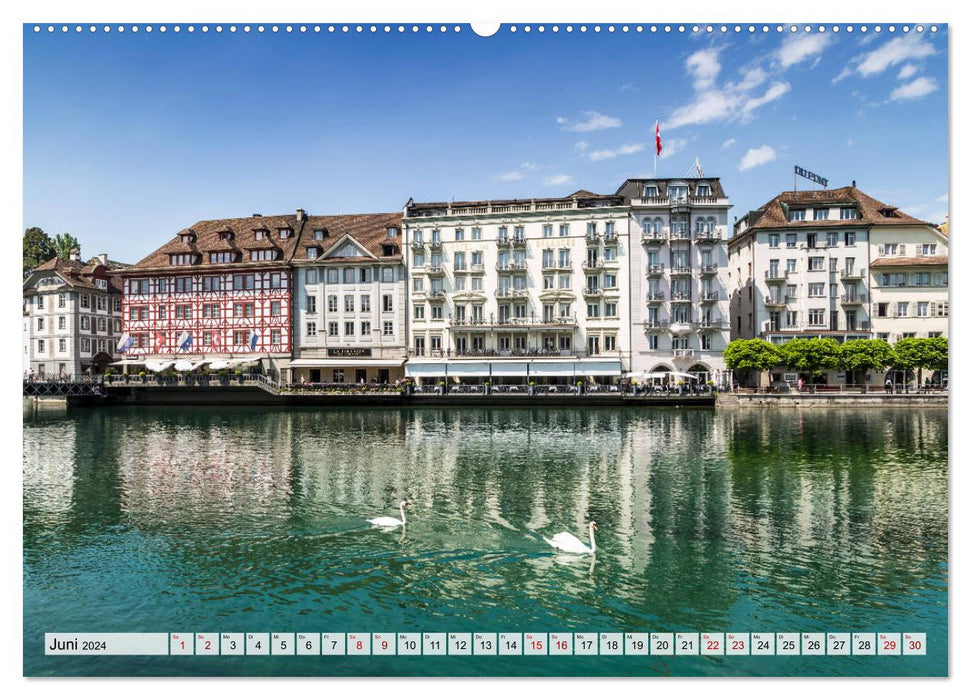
x,y
908,282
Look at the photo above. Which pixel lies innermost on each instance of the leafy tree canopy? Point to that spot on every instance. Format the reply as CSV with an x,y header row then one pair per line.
x,y
865,355
64,243
810,354
754,354
38,248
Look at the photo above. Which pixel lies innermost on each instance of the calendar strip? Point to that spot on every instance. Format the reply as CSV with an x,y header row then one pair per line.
x,y
487,644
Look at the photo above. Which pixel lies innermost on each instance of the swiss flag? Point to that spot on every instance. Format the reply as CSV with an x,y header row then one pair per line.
x,y
657,137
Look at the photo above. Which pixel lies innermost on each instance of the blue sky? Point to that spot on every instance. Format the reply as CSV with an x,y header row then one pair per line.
x,y
130,137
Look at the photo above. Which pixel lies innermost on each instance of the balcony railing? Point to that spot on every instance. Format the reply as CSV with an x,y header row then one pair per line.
x,y
711,323
592,291
680,269
657,323
531,321
511,293
683,352
853,273
510,266
775,274
478,267
610,236
775,301
436,294
708,235
461,267
438,269
853,299
653,237
435,243
707,270
503,242
680,297
593,265
710,296
655,297
418,244
655,270
679,235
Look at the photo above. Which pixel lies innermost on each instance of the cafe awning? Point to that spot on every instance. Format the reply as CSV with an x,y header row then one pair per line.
x,y
425,369
510,369
346,362
468,369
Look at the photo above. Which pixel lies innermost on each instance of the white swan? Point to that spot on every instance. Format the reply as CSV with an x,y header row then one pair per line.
x,y
569,543
388,522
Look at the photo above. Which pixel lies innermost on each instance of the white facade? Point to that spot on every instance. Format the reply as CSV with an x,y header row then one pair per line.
x,y
70,326
678,265
519,290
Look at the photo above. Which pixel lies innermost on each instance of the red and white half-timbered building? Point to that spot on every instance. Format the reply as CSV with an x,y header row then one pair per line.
x,y
219,291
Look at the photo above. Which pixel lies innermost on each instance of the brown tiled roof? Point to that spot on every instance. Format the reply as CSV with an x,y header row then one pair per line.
x,y
901,261
872,212
207,240
82,275
582,194
370,231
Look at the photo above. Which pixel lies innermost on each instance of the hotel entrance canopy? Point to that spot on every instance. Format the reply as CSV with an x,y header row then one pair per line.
x,y
346,362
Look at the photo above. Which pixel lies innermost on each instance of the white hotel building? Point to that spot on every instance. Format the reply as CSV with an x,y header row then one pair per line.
x,y
835,263
512,291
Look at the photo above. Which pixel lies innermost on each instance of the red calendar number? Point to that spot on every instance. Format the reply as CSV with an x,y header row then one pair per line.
x,y
538,644
913,645
384,645
890,645
561,645
712,645
738,645
360,645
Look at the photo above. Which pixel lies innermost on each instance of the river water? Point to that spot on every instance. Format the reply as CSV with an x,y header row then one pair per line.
x,y
246,519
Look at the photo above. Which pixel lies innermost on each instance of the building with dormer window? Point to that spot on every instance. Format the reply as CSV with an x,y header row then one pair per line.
x,y
349,301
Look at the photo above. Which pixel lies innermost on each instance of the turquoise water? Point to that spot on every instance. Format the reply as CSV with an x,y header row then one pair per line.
x,y
242,519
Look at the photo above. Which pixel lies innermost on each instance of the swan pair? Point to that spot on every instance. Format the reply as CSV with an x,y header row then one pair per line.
x,y
561,540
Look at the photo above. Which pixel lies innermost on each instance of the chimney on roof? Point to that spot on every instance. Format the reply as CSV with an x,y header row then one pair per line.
x,y
75,254
854,184
301,215
257,216
103,257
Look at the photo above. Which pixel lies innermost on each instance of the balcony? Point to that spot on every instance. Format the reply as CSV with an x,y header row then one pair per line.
x,y
437,270
477,267
853,299
776,275
708,270
775,301
709,235
532,322
593,292
682,352
711,323
592,264
657,324
653,237
655,297
511,293
709,297
435,244
503,242
519,242
681,297
593,238
655,270
515,266
418,244
610,236
461,268
436,294
680,270
680,235
853,273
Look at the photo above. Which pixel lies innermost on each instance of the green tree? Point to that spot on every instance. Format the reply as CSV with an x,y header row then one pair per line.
x,y
752,355
38,248
864,355
920,354
64,243
810,355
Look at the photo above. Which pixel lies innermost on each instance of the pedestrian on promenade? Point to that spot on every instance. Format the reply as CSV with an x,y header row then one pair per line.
x,y
799,384
888,386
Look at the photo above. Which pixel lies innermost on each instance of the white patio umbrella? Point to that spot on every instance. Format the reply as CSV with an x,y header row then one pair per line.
x,y
684,375
159,365
127,363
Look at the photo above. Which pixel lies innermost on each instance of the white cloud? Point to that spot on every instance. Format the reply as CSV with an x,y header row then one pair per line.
x,y
796,48
709,106
751,79
672,146
755,157
914,89
608,153
775,91
528,165
907,71
581,146
728,142
902,49
942,198
703,66
557,180
628,87
511,176
595,122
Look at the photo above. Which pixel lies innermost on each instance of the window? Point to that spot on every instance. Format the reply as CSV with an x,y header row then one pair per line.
x,y
792,319
922,308
312,252
817,317
85,301
40,346
610,309
902,307
833,262
387,274
928,249
820,214
276,336
365,328
349,276
332,303
387,303
208,311
564,230
791,265
348,303
832,238
888,249
816,263
419,312
418,284
184,311
62,323
650,191
85,345
212,283
437,312
101,303
797,215
276,308
182,259
476,284
85,323
610,281
240,310
847,213
62,345
652,342
284,234
773,240
849,238
791,239
459,284
311,329
705,341
311,304
332,328
388,328
319,234
221,257
102,325
593,310
476,233
942,308
312,276
832,291
348,327
240,282
547,230
922,279
704,190
333,276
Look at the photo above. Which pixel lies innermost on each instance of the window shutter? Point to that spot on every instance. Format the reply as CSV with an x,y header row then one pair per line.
x,y
903,249
933,308
880,249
